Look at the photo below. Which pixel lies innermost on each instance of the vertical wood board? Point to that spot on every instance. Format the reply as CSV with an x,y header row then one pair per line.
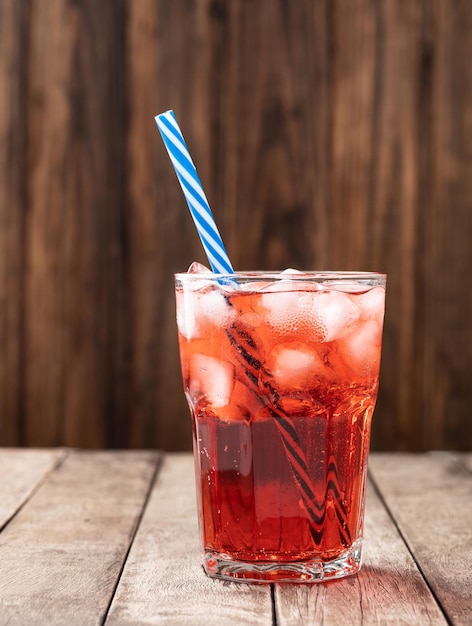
x,y
328,135
13,27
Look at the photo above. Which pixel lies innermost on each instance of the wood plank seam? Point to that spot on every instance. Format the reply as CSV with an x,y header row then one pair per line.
x,y
152,482
272,600
65,452
408,547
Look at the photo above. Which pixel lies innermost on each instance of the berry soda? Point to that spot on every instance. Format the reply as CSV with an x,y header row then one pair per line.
x,y
280,371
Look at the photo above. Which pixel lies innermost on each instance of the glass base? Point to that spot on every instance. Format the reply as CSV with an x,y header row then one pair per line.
x,y
311,571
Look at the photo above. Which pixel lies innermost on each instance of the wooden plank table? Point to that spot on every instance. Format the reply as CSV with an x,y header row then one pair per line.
x,y
110,537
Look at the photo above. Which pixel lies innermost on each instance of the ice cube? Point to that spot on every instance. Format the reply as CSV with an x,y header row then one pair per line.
x,y
211,378
213,306
196,310
255,285
279,285
360,349
292,285
294,365
290,313
334,314
244,404
198,268
347,286
286,309
372,303
186,320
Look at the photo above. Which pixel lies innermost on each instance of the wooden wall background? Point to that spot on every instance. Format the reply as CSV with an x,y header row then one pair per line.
x,y
329,134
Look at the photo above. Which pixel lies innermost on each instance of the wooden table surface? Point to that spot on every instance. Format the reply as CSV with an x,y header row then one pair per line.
x,y
111,538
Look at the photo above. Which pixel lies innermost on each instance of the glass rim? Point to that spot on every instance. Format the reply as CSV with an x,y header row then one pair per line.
x,y
283,275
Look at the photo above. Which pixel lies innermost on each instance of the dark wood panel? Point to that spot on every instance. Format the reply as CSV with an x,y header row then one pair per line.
x,y
73,258
166,68
391,221
447,226
328,135
13,28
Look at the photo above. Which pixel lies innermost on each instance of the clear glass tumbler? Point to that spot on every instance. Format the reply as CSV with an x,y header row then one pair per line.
x,y
281,372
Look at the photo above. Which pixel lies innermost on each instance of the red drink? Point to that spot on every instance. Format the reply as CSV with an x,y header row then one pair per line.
x,y
281,375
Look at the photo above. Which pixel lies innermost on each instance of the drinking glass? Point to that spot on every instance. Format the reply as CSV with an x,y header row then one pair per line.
x,y
280,371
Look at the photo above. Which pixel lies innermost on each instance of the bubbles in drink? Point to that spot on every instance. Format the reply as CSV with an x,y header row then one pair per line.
x,y
291,313
322,316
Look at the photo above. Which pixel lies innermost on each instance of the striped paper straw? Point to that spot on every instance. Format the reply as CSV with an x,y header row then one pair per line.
x,y
220,263
193,192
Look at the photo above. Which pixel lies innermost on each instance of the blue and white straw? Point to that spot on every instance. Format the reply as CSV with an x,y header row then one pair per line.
x,y
193,192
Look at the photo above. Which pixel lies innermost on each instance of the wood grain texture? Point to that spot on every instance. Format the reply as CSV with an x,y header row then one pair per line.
x,y
112,538
163,581
388,590
21,473
62,554
448,210
158,232
72,232
327,134
430,498
13,28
